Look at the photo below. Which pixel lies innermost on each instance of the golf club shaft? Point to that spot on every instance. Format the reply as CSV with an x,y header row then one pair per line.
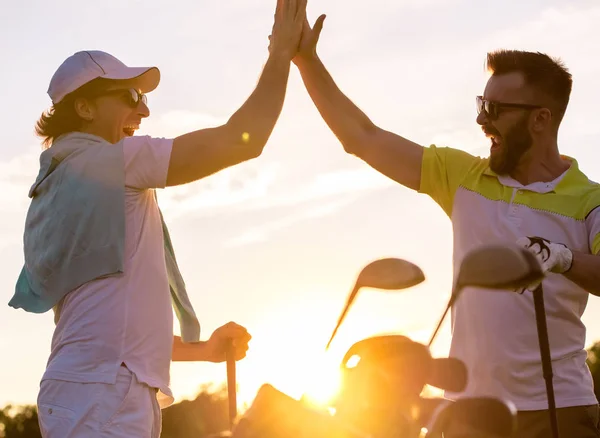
x,y
343,314
448,306
231,383
439,325
540,317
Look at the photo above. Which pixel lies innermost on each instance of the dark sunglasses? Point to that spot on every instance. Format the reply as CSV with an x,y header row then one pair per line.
x,y
491,109
131,96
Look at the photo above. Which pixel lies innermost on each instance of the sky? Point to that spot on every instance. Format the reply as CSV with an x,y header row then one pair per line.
x,y
275,244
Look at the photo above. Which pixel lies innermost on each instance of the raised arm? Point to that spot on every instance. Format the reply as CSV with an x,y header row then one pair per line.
x,y
204,152
392,155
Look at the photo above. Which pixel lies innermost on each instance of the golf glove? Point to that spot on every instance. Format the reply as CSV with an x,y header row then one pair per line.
x,y
554,257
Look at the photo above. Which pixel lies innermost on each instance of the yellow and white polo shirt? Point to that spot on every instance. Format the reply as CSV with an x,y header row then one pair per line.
x,y
495,333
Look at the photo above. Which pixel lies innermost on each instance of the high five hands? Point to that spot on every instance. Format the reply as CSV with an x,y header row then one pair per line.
x,y
287,28
292,33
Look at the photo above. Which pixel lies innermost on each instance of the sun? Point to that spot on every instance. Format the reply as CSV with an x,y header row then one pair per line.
x,y
315,381
323,386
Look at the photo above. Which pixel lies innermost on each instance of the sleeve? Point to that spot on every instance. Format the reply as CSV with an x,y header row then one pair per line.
x,y
592,223
146,161
442,171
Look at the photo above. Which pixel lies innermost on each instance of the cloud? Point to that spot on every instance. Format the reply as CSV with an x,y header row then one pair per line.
x,y
428,95
178,122
329,184
556,28
263,184
250,186
258,186
458,60
263,232
229,188
248,237
16,177
19,172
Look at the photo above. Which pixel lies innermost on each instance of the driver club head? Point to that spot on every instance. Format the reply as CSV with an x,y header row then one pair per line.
x,y
390,274
485,416
497,267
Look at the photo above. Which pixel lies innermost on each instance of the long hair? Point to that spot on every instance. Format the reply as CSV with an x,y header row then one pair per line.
x,y
62,118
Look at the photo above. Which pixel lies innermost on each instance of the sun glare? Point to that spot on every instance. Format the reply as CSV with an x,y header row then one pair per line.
x,y
315,382
293,359
322,387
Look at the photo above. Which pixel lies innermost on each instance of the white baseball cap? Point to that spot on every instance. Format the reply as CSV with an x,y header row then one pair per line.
x,y
85,66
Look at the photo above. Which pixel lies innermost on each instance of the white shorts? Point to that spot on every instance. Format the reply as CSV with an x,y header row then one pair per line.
x,y
126,409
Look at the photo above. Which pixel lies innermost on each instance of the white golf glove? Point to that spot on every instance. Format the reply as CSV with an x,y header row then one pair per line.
x,y
554,257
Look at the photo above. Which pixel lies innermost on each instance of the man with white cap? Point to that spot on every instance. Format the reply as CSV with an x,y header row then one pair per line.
x,y
98,252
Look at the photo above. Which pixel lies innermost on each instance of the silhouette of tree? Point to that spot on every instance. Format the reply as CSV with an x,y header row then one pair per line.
x,y
205,415
594,364
19,422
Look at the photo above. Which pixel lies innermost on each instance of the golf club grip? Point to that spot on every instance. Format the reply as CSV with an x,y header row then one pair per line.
x,y
231,382
542,329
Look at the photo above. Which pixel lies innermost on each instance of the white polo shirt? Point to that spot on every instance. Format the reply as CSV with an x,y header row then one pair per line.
x,y
493,333
125,318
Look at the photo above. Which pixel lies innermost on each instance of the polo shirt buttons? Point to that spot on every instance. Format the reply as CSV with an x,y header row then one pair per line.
x,y
513,216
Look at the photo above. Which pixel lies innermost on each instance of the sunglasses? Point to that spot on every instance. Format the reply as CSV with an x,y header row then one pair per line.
x,y
492,109
130,95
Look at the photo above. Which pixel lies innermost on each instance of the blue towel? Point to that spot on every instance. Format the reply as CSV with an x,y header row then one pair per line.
x,y
75,228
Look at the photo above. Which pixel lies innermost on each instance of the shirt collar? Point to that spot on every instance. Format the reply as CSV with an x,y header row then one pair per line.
x,y
570,176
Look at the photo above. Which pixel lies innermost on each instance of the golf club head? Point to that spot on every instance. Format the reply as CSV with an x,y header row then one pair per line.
x,y
477,416
385,274
499,266
495,266
390,274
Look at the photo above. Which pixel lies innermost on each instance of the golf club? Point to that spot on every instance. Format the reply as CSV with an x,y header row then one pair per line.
x,y
542,329
478,415
231,383
386,274
544,342
495,267
509,268
535,274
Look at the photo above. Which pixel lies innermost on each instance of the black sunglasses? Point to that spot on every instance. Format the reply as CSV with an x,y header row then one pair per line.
x,y
491,109
131,96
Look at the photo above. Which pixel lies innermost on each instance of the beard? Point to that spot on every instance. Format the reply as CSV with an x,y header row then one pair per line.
x,y
514,144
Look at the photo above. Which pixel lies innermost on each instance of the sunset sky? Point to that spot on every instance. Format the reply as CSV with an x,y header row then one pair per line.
x,y
275,244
